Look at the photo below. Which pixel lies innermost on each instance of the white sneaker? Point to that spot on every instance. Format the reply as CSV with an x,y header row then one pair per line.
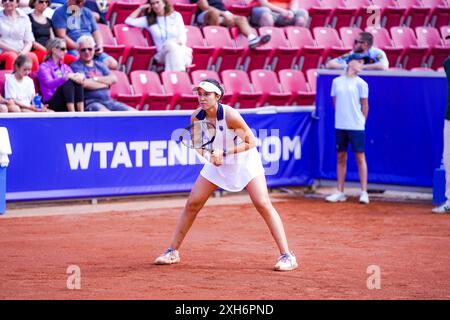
x,y
286,262
336,197
169,257
364,197
445,208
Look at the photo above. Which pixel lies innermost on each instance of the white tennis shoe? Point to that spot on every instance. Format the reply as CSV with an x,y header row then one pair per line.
x,y
286,262
171,256
445,208
364,197
337,196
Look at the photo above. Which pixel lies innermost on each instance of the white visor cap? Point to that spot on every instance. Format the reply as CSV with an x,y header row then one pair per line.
x,y
208,87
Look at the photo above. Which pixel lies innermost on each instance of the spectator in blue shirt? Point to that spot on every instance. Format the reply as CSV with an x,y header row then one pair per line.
x,y
363,44
73,20
98,79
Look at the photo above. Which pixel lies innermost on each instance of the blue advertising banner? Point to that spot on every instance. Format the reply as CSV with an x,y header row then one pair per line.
x,y
87,156
404,130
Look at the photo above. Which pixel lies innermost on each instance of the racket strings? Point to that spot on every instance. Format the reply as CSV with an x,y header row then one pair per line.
x,y
198,135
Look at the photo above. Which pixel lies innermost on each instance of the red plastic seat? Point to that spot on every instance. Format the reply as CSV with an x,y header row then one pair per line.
x,y
119,11
440,13
445,32
342,15
266,81
416,14
109,43
179,85
438,51
383,41
364,12
391,13
311,75
148,84
348,35
227,54
121,90
187,11
239,7
309,55
138,54
293,81
252,59
238,84
202,54
413,54
318,15
283,56
329,38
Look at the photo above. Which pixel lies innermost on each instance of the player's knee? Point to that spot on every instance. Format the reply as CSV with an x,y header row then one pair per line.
x,y
264,206
342,157
194,205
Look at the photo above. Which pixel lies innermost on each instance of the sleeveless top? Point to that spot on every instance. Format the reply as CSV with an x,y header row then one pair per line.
x,y
237,169
41,32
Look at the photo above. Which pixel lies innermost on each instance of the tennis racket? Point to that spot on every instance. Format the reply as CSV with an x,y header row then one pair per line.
x,y
199,135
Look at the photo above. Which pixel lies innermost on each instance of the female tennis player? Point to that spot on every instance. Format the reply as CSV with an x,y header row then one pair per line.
x,y
234,164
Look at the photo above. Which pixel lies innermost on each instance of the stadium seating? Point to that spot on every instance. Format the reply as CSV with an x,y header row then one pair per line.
x,y
227,54
341,15
109,43
186,9
179,85
202,54
440,13
121,90
329,38
119,11
416,14
309,55
148,84
293,81
282,55
138,54
238,84
2,81
413,55
266,81
257,58
438,51
318,15
391,13
362,14
311,75
348,35
239,7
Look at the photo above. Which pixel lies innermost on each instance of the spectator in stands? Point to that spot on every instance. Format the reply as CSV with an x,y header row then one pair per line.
x,y
8,105
19,87
279,13
98,79
16,37
350,99
26,7
41,27
61,88
377,59
99,9
167,29
73,20
214,13
445,207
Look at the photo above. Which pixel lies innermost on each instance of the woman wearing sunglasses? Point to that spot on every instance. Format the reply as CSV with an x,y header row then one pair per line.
x,y
16,36
41,27
61,88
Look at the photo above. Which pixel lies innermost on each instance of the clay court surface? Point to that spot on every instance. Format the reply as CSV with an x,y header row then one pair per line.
x,y
228,254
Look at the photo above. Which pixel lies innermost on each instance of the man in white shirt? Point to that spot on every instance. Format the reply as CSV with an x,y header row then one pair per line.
x,y
350,98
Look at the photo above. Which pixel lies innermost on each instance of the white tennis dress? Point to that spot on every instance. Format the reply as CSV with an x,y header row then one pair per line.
x,y
237,169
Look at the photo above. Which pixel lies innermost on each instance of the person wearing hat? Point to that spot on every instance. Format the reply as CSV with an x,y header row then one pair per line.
x,y
234,164
350,99
375,59
445,207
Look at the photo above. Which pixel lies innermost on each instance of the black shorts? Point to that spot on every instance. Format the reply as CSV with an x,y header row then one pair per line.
x,y
355,137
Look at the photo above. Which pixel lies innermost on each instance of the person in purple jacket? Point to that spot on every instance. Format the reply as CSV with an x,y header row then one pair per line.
x,y
61,88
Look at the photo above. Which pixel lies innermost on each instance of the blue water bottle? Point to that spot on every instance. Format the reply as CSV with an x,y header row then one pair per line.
x,y
37,102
